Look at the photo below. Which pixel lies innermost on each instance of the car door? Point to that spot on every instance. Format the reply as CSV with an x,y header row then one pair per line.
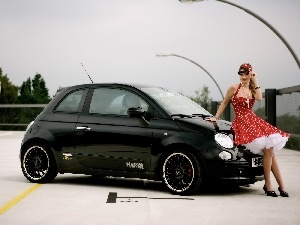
x,y
59,123
107,138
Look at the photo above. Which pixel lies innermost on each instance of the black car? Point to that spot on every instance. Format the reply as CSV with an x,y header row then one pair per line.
x,y
136,131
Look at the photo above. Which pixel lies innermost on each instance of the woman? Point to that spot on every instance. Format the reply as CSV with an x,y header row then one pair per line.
x,y
251,131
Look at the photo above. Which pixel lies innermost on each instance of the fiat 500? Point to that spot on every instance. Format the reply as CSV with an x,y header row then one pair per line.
x,y
134,131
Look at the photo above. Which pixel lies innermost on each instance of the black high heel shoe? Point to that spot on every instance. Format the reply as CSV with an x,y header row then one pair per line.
x,y
283,193
270,193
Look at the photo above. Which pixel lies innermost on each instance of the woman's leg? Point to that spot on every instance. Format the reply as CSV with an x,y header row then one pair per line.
x,y
276,171
267,164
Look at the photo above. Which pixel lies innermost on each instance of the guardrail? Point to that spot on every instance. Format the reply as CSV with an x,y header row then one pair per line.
x,y
23,105
7,122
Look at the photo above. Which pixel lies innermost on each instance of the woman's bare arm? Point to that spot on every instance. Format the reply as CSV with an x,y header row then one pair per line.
x,y
229,94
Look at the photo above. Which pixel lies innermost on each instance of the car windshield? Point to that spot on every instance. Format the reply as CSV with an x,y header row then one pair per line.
x,y
175,103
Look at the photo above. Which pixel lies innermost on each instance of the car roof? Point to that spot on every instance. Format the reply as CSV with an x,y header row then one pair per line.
x,y
91,85
135,85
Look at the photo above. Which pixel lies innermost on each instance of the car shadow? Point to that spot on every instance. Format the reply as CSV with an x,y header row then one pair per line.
x,y
212,189
227,189
130,183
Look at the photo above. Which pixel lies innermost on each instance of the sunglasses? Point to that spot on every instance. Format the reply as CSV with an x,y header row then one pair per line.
x,y
241,72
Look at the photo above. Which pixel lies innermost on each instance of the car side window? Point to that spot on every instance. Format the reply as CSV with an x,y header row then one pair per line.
x,y
112,101
71,102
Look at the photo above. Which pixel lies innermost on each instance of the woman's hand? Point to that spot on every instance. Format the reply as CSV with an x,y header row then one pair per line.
x,y
253,75
211,119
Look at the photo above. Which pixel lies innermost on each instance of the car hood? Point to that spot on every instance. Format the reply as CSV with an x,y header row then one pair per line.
x,y
201,125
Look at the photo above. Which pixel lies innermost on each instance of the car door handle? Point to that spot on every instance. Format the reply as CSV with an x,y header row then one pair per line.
x,y
83,128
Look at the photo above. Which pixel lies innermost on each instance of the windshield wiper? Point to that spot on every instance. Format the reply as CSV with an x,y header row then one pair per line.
x,y
182,115
191,116
201,115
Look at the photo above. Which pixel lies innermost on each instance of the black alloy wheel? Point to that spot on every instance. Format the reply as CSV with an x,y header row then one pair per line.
x,y
181,173
38,164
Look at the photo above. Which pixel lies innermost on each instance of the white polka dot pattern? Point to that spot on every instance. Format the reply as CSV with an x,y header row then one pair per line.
x,y
252,131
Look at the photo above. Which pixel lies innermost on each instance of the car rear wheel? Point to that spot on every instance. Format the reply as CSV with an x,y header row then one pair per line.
x,y
182,173
38,164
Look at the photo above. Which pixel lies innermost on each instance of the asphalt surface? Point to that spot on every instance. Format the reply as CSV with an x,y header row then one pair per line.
x,y
81,199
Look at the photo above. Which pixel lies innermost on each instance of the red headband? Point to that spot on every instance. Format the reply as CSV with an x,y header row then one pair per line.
x,y
246,66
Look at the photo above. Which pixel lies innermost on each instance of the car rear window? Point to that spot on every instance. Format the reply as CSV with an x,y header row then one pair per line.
x,y
71,102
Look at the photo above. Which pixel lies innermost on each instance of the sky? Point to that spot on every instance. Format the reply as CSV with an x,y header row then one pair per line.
x,y
117,41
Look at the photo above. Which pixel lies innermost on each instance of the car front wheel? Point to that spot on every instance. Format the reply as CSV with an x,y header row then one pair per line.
x,y
38,164
182,173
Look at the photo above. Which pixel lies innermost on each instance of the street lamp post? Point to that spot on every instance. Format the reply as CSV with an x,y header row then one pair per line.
x,y
166,55
261,20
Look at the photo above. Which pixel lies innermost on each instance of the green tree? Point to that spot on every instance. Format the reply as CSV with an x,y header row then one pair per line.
x,y
40,92
26,92
32,92
288,123
8,91
202,98
291,125
8,95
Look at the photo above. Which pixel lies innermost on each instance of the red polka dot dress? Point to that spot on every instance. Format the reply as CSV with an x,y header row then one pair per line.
x,y
252,131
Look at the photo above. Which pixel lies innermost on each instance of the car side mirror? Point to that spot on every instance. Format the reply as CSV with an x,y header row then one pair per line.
x,y
138,113
135,112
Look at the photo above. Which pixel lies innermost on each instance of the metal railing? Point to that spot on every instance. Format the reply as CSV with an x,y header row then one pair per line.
x,y
270,104
10,115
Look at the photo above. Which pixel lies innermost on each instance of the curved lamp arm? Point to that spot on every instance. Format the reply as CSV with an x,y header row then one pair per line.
x,y
165,55
261,20
268,25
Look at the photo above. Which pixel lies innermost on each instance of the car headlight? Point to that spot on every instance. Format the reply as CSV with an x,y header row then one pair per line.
x,y
224,140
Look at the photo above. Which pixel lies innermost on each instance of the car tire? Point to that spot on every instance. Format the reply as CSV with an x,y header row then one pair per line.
x,y
182,173
38,164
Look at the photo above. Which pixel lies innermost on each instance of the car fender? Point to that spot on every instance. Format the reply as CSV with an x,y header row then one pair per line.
x,y
198,144
34,135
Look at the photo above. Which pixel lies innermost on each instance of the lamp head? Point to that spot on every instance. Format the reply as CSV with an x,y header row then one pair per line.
x,y
164,54
190,1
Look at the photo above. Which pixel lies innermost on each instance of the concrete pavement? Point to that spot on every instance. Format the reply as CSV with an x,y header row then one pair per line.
x,y
81,199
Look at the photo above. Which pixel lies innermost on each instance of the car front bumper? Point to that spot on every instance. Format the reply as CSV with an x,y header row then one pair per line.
x,y
239,172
